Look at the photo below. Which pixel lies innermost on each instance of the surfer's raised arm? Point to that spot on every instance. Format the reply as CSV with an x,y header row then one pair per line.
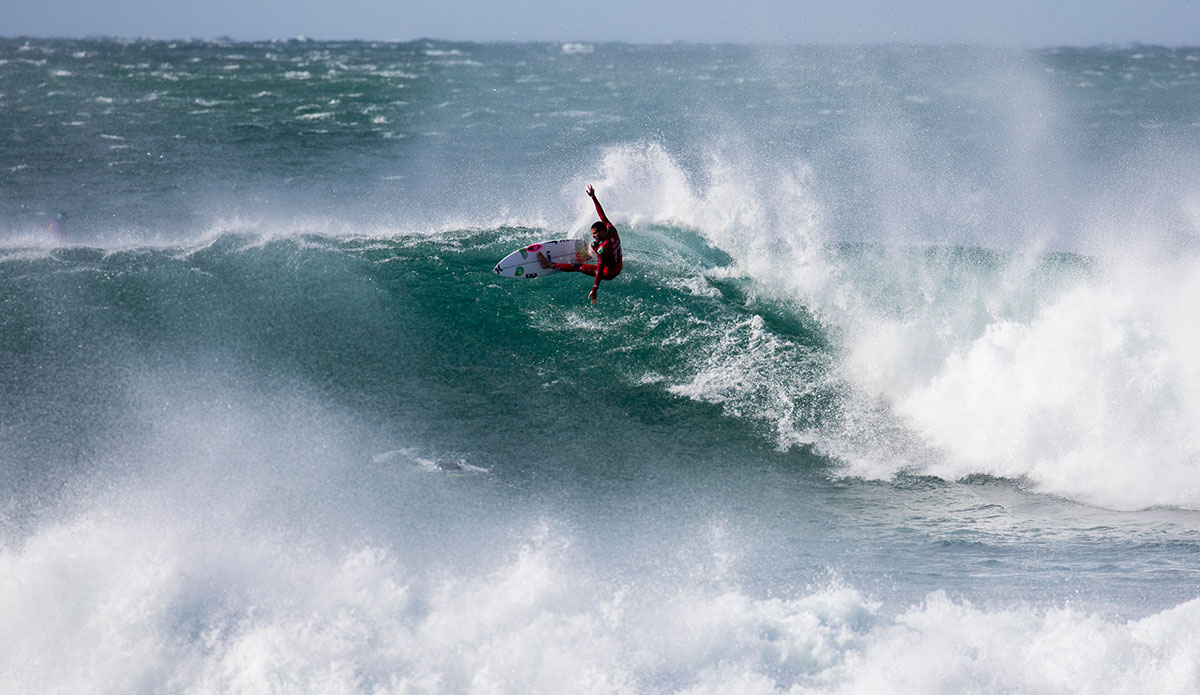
x,y
599,210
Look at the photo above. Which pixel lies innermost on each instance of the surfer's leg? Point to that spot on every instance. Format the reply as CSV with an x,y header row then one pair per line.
x,y
574,267
586,269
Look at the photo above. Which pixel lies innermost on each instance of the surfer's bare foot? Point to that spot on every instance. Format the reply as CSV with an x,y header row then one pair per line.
x,y
542,259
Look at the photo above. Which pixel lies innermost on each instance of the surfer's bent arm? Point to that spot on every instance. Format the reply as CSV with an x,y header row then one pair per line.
x,y
599,274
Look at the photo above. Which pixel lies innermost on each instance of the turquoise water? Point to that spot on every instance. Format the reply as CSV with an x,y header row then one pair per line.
x,y
896,393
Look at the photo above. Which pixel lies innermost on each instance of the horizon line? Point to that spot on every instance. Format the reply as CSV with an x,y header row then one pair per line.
x,y
673,42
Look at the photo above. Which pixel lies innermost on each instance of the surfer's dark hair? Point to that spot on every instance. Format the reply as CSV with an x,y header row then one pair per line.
x,y
599,226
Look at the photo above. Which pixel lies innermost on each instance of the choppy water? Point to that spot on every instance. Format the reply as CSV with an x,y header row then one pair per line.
x,y
896,393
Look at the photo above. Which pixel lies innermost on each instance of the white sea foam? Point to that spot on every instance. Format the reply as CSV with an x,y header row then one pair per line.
x,y
1096,398
1093,395
434,464
179,610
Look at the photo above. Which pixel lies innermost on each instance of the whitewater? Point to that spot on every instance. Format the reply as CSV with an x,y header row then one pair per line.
x,y
896,393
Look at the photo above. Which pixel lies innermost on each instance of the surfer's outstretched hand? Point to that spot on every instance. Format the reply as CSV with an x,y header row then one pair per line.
x,y
592,295
591,191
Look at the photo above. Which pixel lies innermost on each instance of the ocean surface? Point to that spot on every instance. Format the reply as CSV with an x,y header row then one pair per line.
x,y
899,390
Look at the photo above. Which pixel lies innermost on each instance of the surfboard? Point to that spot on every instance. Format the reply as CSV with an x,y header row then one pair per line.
x,y
523,263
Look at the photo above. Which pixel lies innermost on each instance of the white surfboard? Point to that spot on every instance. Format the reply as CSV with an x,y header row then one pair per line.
x,y
523,263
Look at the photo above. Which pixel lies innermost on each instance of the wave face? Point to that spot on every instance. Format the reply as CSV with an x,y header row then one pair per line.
x,y
897,391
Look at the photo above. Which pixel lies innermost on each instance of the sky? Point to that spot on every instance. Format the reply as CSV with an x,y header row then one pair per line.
x,y
1033,23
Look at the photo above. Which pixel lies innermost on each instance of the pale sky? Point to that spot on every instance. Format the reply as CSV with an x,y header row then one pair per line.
x,y
1032,23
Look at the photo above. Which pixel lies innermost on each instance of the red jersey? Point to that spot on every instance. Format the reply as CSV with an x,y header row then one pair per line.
x,y
608,252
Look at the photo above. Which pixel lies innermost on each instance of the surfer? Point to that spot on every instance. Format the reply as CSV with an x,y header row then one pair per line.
x,y
607,246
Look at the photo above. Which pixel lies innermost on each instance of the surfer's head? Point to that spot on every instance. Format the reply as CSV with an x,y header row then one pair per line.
x,y
599,231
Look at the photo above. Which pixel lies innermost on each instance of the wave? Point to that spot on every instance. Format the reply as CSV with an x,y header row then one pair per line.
x,y
1069,373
